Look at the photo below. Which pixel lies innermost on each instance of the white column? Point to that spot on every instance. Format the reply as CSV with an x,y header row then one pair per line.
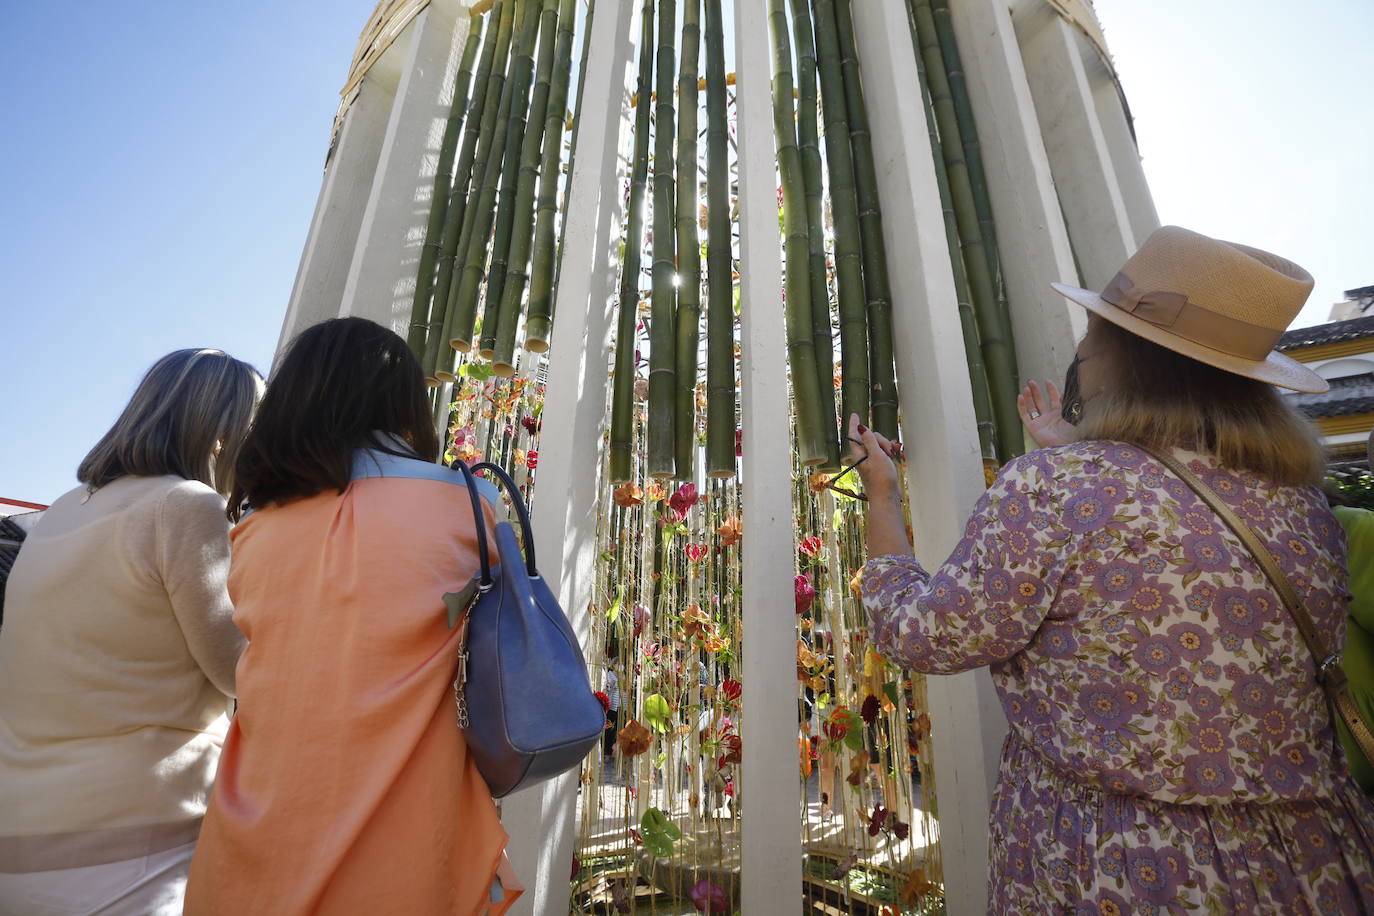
x,y
771,856
944,468
1084,174
541,822
338,217
1031,237
381,274
1130,174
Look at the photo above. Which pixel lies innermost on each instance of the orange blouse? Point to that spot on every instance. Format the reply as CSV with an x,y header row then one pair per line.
x,y
345,785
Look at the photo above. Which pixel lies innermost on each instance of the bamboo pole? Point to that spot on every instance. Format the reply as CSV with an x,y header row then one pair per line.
x,y
661,441
538,323
510,172
438,200
522,217
720,314
854,390
481,207
438,362
688,246
808,141
881,368
993,331
622,393
811,440
973,353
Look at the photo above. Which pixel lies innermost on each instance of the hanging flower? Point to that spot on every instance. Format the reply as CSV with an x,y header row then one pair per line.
x,y
810,546
805,593
857,766
576,867
634,739
628,494
697,552
730,532
739,443
730,691
856,584
603,699
684,498
531,425
641,389
641,618
917,887
876,820
869,711
697,622
839,724
818,481
714,644
531,459
467,453
707,898
654,491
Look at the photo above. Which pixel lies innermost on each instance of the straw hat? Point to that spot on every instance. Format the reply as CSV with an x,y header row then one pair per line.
x,y
1217,302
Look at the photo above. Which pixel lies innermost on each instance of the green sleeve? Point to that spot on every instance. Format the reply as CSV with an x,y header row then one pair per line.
x,y
1359,536
1358,657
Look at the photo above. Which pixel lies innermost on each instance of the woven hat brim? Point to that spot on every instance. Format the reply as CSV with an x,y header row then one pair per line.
x,y
1276,369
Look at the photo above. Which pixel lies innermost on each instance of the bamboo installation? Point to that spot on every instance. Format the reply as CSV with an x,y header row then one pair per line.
x,y
622,395
720,319
543,269
881,368
688,330
811,440
854,385
994,328
808,142
661,446
443,180
522,221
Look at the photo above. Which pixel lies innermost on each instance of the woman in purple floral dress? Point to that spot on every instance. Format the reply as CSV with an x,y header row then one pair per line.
x,y
1170,750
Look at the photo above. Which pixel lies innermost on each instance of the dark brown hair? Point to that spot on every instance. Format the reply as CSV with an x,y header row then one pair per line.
x,y
1157,398
344,384
187,403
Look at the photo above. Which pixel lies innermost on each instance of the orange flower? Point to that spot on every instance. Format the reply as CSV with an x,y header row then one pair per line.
x,y
629,494
730,532
856,585
654,491
817,481
916,887
697,622
468,453
634,739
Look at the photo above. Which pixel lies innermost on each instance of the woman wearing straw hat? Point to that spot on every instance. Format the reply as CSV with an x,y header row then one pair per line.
x,y
1170,747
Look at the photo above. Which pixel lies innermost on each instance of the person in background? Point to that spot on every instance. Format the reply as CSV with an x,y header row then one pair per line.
x,y
1358,658
118,651
616,697
346,786
1170,748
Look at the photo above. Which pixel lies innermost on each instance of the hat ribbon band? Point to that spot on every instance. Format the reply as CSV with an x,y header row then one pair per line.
x,y
1191,321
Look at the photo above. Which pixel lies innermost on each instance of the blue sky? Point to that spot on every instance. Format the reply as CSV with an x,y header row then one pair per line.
x,y
161,163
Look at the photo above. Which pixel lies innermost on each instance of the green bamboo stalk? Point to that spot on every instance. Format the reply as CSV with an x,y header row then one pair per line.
x,y
973,353
881,368
854,390
811,440
443,181
510,174
661,441
521,228
481,205
622,392
808,141
968,132
538,324
993,331
437,360
688,245
720,312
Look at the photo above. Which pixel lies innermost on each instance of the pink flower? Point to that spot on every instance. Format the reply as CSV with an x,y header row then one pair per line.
x,y
805,593
708,898
810,546
696,552
684,498
641,618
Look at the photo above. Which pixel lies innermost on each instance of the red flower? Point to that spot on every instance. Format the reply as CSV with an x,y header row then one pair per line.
x,y
838,724
684,498
731,689
531,425
869,711
810,546
604,700
739,443
805,593
531,459
875,821
697,552
576,867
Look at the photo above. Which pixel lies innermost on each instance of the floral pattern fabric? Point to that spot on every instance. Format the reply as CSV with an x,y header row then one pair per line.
x,y
1169,751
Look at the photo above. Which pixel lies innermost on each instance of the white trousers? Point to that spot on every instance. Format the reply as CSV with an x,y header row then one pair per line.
x,y
150,886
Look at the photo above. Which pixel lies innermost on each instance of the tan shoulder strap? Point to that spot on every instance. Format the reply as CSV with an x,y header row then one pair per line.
x,y
1330,675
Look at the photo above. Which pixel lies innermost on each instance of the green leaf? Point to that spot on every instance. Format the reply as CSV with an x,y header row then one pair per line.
x,y
479,371
890,688
854,738
838,522
656,712
822,701
613,612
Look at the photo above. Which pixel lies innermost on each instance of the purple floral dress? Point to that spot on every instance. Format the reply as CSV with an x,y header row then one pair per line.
x,y
1169,750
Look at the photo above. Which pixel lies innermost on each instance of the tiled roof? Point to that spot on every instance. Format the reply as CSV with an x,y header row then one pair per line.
x,y
1350,395
1331,332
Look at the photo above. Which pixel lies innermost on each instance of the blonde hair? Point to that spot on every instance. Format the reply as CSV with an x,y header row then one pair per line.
x,y
1154,397
189,401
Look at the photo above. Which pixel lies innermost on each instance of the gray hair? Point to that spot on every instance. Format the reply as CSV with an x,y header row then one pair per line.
x,y
189,403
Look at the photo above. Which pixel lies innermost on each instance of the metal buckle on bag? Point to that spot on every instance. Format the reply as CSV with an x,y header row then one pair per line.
x,y
1330,666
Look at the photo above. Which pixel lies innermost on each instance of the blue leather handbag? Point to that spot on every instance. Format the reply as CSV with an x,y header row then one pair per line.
x,y
525,701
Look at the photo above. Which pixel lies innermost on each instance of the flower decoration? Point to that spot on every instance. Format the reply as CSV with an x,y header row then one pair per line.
x,y
696,622
641,389
531,459
811,546
730,532
697,552
739,443
730,691
531,425
869,710
634,739
641,618
603,699
628,494
805,593
684,498
707,898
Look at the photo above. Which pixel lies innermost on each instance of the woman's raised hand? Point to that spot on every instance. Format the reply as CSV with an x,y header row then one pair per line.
x,y
878,473
1039,410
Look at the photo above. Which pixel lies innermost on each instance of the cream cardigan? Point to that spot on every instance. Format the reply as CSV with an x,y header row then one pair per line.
x,y
117,665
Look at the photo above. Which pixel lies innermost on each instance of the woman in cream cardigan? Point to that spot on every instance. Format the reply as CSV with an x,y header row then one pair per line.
x,y
118,651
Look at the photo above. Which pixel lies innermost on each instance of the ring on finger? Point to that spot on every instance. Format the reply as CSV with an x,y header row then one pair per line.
x,y
1034,414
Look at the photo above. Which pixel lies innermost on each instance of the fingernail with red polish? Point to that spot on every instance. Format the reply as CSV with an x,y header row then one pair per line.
x,y
862,428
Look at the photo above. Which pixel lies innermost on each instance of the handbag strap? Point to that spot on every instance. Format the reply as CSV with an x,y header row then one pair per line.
x,y
1330,674
522,513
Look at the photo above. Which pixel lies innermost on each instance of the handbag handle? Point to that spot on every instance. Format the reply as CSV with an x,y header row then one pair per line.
x,y
521,510
1330,675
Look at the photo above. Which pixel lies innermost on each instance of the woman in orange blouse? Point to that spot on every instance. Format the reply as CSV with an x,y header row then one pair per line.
x,y
345,785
